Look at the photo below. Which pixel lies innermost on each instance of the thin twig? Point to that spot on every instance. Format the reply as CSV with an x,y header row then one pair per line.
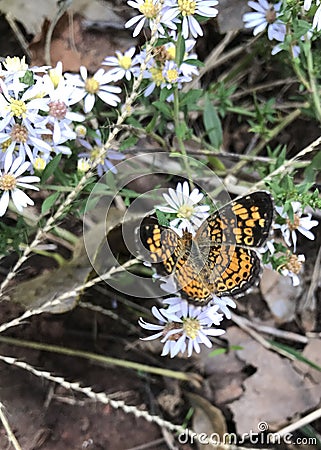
x,y
288,335
300,423
8,429
22,41
46,307
211,61
63,6
242,323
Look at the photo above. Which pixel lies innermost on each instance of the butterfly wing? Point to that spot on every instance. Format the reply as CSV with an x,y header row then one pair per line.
x,y
245,222
231,270
164,246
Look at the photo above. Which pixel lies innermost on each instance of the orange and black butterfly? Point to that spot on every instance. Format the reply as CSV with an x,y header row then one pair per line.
x,y
221,258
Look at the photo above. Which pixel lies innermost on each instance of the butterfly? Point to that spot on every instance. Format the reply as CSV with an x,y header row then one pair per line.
x,y
221,259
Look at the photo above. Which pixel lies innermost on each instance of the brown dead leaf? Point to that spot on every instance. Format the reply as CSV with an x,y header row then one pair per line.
x,y
230,15
207,418
312,351
224,374
274,393
280,295
75,45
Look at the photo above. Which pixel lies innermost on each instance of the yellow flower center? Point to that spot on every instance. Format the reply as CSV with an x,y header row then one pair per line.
x,y
187,7
81,131
39,164
7,182
18,108
149,9
157,76
125,62
293,264
191,327
172,75
295,224
91,85
185,211
95,153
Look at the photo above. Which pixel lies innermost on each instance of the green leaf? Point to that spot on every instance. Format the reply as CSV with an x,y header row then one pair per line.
x,y
131,141
27,78
181,130
298,355
191,98
180,49
163,108
50,168
49,202
194,62
162,219
212,124
221,351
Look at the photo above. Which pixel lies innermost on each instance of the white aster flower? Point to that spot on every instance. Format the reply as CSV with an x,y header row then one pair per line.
x,y
155,74
93,151
186,69
173,76
125,65
300,224
15,106
24,138
11,180
293,267
183,204
268,247
317,18
184,328
265,16
223,304
150,10
15,64
185,10
91,87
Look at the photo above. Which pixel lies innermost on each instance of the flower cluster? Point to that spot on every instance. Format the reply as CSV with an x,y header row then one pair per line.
x,y
280,257
172,14
161,71
39,116
270,17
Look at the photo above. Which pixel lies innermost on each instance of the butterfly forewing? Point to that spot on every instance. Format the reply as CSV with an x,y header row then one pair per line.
x,y
245,221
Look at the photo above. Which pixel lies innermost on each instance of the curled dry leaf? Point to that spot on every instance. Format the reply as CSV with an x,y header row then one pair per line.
x,y
274,393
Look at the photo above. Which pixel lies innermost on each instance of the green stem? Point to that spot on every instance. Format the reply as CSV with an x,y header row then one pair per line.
x,y
313,82
176,117
98,358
